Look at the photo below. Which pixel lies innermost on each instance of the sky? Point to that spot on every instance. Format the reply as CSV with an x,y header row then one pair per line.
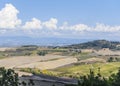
x,y
82,19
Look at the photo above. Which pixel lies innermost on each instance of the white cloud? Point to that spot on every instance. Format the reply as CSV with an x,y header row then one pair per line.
x,y
83,27
37,24
51,24
9,20
105,28
79,27
8,17
33,24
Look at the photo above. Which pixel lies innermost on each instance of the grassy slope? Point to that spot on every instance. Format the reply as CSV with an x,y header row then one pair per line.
x,y
105,68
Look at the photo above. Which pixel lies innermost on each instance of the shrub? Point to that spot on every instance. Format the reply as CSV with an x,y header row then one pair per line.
x,y
42,53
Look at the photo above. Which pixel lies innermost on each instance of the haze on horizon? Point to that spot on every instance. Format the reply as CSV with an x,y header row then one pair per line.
x,y
82,19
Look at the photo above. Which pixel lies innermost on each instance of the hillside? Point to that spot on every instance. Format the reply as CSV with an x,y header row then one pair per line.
x,y
76,70
97,44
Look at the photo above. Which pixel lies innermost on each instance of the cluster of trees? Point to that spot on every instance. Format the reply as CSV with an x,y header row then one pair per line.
x,y
113,59
9,78
97,44
98,80
20,51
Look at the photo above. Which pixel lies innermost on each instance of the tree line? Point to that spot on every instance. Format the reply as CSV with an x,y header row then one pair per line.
x,y
8,77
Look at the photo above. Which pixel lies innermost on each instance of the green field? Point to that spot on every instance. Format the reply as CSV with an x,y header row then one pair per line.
x,y
106,69
75,71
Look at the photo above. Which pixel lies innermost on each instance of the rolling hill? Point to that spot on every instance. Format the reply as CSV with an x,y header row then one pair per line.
x,y
97,44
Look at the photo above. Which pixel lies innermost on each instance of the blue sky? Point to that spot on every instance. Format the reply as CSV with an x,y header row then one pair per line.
x,y
60,18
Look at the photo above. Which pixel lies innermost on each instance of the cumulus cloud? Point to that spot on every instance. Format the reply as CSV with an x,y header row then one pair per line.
x,y
51,24
79,27
105,28
37,24
9,20
83,27
8,17
33,24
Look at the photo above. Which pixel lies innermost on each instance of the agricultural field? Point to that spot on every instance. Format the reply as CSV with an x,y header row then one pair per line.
x,y
106,69
60,61
35,61
75,71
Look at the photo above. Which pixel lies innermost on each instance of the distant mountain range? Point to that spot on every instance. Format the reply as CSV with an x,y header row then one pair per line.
x,y
45,41
23,40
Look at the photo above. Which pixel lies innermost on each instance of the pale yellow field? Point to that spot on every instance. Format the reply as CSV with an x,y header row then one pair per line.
x,y
41,62
6,48
49,64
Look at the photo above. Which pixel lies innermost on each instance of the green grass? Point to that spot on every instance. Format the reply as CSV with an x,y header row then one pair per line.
x,y
36,71
2,55
82,56
106,69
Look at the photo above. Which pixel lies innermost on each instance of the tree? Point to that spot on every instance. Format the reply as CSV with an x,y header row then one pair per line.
x,y
92,80
8,77
111,59
42,53
97,80
114,79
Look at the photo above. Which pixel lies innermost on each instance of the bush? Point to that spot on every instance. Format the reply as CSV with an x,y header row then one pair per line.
x,y
42,53
111,59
